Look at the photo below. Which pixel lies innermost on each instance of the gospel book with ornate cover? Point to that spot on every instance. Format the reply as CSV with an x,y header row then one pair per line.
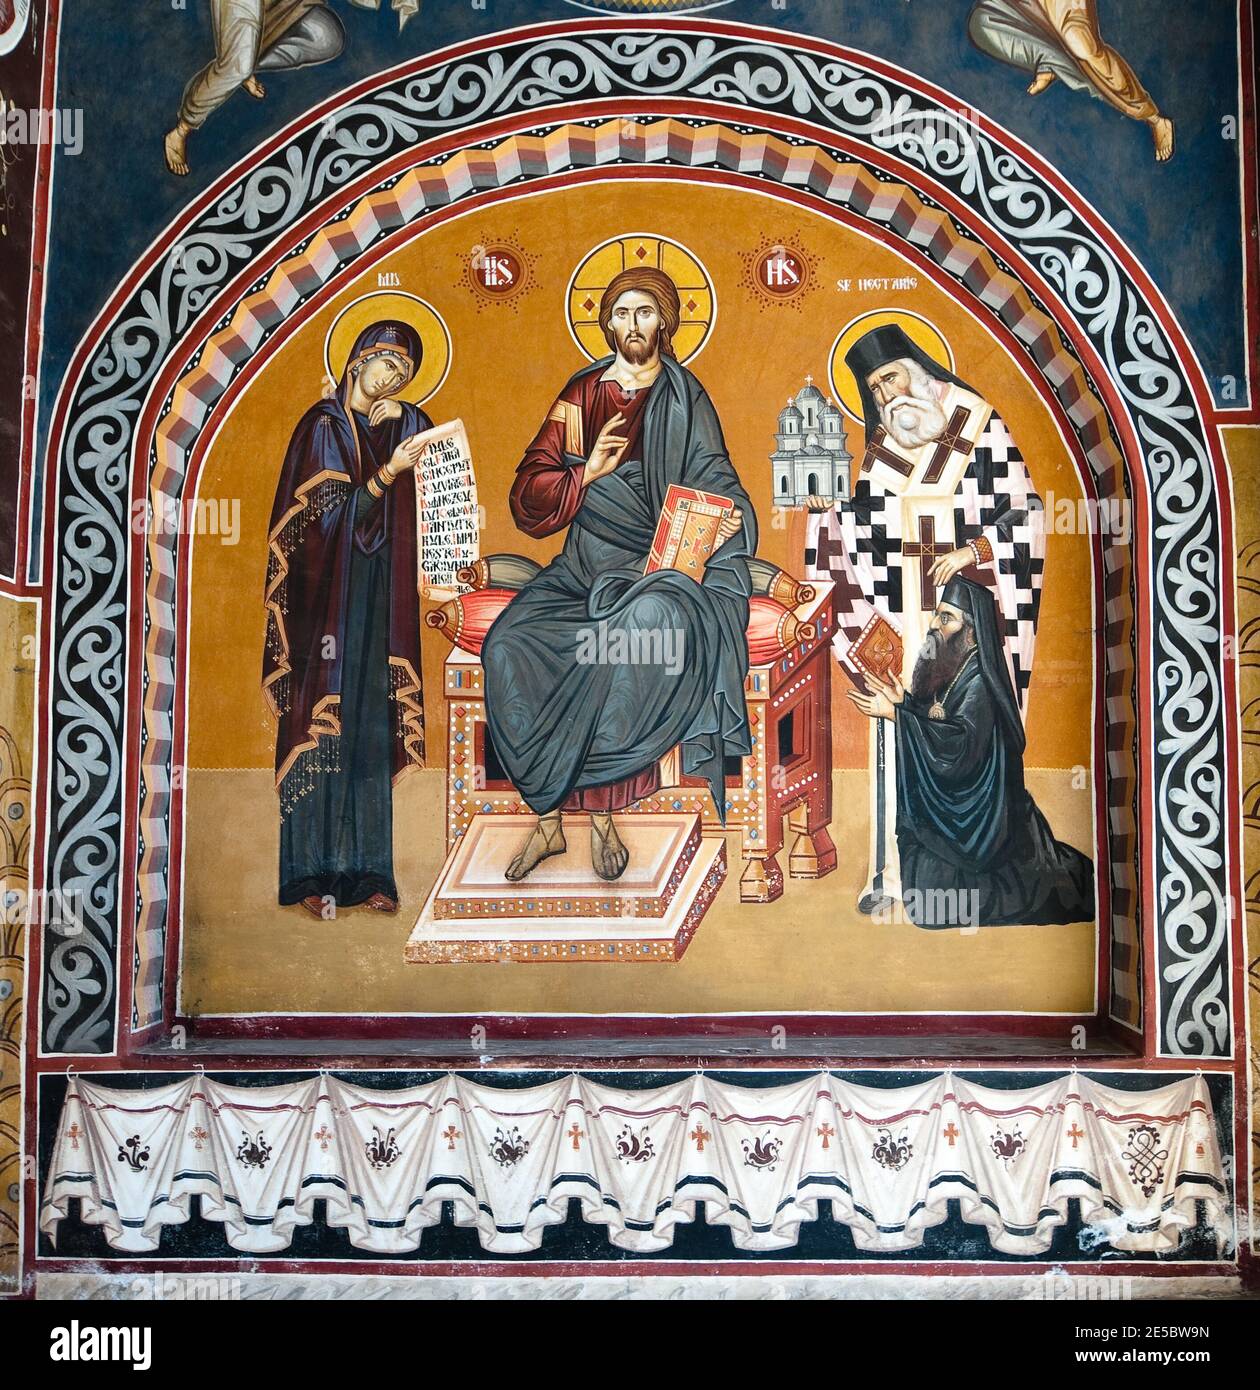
x,y
877,650
686,534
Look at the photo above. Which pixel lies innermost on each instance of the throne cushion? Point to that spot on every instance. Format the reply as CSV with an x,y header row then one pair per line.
x,y
772,628
466,620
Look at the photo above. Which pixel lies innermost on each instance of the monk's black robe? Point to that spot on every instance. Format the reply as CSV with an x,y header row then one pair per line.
x,y
966,823
562,725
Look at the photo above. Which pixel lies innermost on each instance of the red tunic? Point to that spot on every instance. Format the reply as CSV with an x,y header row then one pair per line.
x,y
546,496
548,488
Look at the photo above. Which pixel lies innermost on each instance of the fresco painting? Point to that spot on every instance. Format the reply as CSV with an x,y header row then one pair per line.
x,y
496,495
492,761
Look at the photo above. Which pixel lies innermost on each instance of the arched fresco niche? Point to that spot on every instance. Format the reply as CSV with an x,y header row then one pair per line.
x,y
810,950
1090,320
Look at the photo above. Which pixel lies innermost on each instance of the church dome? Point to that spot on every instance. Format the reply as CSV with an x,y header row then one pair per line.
x,y
808,392
789,412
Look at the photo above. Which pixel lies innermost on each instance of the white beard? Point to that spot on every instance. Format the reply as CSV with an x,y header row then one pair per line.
x,y
916,419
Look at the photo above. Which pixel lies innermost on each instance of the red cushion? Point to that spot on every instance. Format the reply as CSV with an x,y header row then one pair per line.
x,y
466,620
772,628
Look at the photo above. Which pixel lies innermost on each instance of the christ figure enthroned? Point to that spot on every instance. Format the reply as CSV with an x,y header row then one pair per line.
x,y
586,735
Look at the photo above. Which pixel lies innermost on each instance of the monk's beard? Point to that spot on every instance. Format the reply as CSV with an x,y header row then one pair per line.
x,y
915,419
939,661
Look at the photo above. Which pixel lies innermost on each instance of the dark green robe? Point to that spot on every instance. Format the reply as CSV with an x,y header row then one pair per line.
x,y
560,724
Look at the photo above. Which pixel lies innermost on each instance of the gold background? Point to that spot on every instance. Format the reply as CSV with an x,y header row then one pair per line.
x,y
1242,446
18,621
509,366
810,950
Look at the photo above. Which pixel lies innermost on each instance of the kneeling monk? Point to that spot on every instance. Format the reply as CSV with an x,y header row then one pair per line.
x,y
969,834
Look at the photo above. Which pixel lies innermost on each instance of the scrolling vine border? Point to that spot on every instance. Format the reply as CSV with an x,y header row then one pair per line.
x,y
718,63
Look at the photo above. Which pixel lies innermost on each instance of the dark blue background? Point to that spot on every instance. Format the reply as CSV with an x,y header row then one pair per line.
x,y
125,63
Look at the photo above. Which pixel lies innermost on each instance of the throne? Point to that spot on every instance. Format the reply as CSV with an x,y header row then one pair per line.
x,y
788,690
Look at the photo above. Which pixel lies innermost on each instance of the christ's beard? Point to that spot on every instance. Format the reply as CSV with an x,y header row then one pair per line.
x,y
637,349
938,662
914,420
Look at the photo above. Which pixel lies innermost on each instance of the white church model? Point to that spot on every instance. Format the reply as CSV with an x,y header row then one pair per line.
x,y
810,458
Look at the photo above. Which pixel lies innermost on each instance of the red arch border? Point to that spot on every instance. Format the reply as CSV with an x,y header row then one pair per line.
x,y
823,136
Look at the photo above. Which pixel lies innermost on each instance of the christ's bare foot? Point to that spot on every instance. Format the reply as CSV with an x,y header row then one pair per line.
x,y
255,88
609,856
1040,83
1162,130
177,149
545,839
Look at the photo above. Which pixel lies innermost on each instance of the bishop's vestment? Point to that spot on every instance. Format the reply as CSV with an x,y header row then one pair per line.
x,y
910,506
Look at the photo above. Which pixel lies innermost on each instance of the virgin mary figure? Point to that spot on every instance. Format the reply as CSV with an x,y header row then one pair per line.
x,y
342,658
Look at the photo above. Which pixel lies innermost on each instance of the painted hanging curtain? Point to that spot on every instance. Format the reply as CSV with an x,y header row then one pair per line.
x,y
259,1158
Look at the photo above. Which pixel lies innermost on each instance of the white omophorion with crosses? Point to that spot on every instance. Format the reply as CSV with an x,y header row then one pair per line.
x,y
967,487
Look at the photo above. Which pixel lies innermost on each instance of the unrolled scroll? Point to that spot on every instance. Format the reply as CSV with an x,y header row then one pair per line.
x,y
447,515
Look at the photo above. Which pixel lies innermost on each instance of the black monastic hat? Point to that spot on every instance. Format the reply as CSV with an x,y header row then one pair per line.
x,y
876,349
